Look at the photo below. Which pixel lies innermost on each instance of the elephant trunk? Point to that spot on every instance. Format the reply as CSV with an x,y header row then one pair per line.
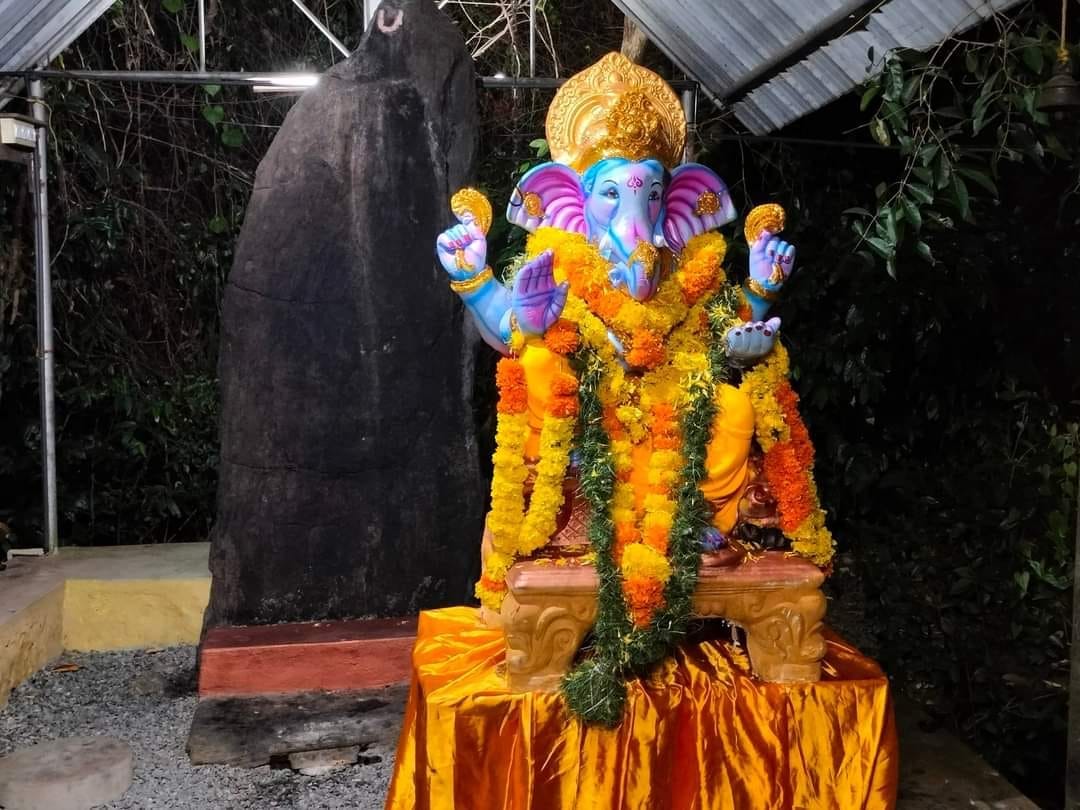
x,y
644,265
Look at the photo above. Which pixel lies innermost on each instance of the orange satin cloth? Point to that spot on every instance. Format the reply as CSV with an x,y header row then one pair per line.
x,y
700,733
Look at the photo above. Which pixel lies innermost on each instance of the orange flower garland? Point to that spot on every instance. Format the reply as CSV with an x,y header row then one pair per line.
x,y
510,379
666,337
562,337
641,534
666,340
646,349
641,325
515,531
789,456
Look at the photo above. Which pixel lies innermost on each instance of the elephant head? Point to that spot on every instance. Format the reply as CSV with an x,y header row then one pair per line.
x,y
627,208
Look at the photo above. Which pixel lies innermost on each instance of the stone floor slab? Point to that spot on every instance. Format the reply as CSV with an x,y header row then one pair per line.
x,y
72,773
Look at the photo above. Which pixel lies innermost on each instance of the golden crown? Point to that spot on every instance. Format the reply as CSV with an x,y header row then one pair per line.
x,y
615,109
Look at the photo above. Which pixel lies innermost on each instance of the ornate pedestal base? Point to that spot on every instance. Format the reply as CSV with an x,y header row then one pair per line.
x,y
775,598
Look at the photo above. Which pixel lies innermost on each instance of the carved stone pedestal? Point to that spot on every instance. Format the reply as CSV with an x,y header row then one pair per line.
x,y
775,598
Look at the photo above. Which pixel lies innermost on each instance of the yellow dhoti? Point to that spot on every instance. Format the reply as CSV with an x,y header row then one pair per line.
x,y
728,452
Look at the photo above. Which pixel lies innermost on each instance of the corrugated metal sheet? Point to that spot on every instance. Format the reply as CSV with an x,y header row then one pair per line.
x,y
843,64
730,45
726,44
33,32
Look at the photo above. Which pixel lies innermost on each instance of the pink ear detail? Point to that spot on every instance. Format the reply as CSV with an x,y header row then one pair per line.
x,y
548,195
684,216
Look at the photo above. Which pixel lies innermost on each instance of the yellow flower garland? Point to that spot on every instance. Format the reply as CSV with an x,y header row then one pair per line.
x,y
676,315
760,384
793,489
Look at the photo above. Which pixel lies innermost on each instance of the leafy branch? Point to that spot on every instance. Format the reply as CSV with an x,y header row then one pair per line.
x,y
954,116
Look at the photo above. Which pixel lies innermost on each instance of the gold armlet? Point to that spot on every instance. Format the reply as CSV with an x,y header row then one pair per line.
x,y
468,285
758,289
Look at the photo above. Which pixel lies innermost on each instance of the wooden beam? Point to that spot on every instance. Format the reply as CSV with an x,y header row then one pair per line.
x,y
247,732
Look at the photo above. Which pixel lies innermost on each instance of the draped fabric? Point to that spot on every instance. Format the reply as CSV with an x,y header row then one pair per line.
x,y
699,733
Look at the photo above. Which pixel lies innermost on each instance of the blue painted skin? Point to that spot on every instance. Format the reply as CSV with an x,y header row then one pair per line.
x,y
623,206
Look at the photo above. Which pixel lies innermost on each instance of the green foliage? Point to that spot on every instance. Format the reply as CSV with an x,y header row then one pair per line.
x,y
148,188
943,407
955,115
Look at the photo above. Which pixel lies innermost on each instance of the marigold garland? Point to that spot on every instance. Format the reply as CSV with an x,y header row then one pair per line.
x,y
645,544
562,337
789,456
516,531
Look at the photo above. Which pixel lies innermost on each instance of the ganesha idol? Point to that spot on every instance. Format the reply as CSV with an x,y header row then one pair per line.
x,y
650,465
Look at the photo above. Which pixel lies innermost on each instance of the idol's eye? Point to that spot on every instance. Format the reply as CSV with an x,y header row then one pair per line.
x,y
654,194
611,193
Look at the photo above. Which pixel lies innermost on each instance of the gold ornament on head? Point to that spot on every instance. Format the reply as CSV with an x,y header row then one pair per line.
x,y
615,109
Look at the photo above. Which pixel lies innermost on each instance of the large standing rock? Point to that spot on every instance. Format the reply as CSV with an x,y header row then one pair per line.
x,y
350,478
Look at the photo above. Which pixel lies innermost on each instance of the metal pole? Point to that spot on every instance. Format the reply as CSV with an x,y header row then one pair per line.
x,y
532,37
44,315
369,12
689,105
202,36
1072,757
326,32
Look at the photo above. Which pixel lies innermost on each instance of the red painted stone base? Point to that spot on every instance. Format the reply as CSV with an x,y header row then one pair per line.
x,y
310,657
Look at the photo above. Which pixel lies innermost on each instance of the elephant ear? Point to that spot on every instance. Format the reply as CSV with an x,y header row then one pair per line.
x,y
696,200
550,195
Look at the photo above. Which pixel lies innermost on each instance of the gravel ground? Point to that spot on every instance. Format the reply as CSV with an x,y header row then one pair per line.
x,y
147,698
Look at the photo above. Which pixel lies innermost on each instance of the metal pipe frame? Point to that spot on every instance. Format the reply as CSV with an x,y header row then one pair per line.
x,y
39,187
326,32
549,83
249,79
152,76
202,36
369,12
532,38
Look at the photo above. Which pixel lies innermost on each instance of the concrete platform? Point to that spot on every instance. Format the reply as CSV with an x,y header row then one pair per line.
x,y
939,772
97,599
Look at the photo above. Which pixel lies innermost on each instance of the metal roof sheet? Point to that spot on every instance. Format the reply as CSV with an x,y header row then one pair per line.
x,y
34,32
843,64
729,45
726,44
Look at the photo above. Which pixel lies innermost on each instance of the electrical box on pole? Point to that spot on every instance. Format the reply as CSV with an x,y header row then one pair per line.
x,y
18,131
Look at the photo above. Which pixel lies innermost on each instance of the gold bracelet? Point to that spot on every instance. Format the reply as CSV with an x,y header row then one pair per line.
x,y
468,285
758,289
